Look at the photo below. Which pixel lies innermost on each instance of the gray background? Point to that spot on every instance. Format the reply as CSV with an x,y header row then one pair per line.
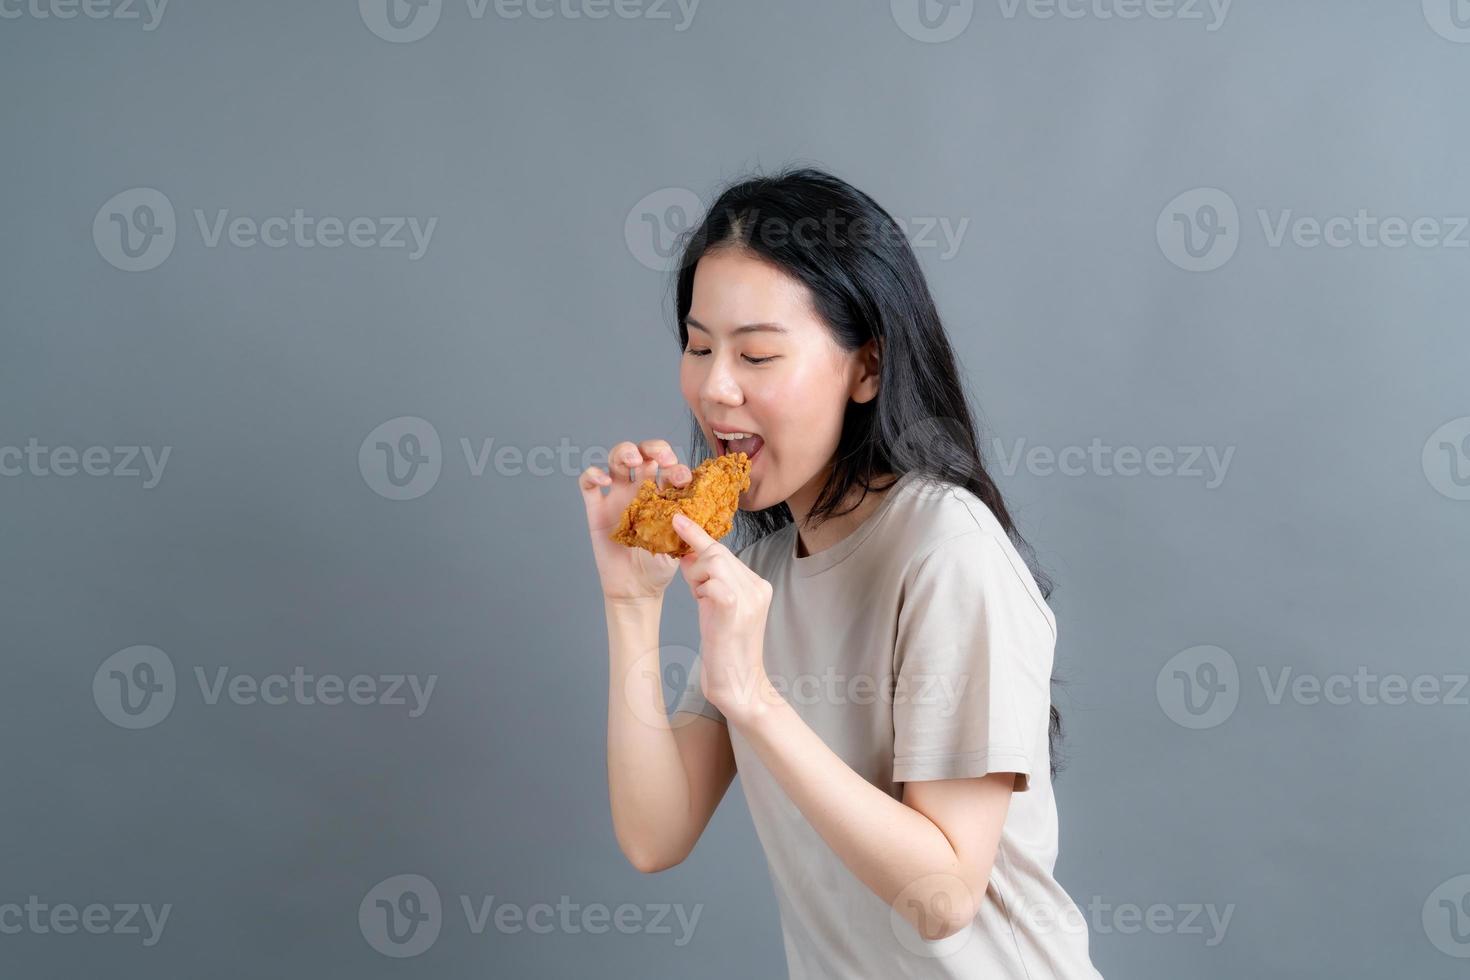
x,y
1326,829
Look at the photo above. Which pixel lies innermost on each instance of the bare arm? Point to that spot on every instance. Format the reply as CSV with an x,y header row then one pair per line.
x,y
928,856
663,783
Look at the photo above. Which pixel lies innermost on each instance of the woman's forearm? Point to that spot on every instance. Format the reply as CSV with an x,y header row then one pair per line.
x,y
647,785
898,852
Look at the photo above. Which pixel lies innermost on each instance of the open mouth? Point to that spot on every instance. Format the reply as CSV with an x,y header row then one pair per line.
x,y
743,442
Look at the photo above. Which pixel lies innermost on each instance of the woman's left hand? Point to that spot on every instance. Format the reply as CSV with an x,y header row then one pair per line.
x,y
733,602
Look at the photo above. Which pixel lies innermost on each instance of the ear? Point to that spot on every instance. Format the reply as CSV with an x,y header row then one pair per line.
x,y
865,375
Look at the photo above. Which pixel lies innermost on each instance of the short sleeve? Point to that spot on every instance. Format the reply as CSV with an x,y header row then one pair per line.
x,y
973,662
693,698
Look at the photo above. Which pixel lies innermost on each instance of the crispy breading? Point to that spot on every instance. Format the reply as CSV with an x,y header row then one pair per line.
x,y
710,500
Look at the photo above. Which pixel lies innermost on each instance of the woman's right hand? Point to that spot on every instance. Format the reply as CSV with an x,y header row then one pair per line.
x,y
629,573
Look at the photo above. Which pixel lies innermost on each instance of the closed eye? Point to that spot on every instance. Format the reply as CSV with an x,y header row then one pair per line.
x,y
753,360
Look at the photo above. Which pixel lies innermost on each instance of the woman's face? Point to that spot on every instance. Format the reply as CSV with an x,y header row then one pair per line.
x,y
759,360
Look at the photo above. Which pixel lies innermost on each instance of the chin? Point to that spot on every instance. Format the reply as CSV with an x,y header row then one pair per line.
x,y
749,501
753,500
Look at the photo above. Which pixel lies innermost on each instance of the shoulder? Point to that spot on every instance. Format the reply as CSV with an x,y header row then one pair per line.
x,y
932,511
952,535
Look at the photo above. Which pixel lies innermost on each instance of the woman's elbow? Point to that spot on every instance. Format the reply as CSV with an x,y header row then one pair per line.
x,y
649,862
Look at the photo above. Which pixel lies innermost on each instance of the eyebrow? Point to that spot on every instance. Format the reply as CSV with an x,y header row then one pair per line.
x,y
747,328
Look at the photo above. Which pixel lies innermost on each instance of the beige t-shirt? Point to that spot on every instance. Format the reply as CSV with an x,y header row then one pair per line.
x,y
917,647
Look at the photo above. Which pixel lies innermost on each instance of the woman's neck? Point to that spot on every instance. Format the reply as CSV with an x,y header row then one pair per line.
x,y
811,540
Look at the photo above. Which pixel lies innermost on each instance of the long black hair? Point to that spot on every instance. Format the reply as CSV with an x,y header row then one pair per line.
x,y
866,284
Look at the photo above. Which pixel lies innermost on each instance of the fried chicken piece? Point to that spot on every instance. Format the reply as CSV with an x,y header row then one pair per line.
x,y
710,500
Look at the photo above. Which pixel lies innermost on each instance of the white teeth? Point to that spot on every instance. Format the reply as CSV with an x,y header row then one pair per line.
x,y
727,436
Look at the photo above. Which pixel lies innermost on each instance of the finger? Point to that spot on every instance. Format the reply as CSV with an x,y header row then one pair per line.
x,y
590,482
677,477
696,536
695,572
716,591
622,459
646,470
593,476
660,450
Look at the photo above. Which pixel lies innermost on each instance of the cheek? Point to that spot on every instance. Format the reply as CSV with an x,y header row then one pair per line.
x,y
689,383
798,410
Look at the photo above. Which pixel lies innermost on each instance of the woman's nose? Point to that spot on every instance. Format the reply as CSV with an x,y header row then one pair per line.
x,y
719,386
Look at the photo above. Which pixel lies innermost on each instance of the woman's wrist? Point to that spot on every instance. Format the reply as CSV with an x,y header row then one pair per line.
x,y
632,602
633,609
747,701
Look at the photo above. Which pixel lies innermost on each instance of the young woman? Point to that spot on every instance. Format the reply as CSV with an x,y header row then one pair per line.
x,y
875,657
